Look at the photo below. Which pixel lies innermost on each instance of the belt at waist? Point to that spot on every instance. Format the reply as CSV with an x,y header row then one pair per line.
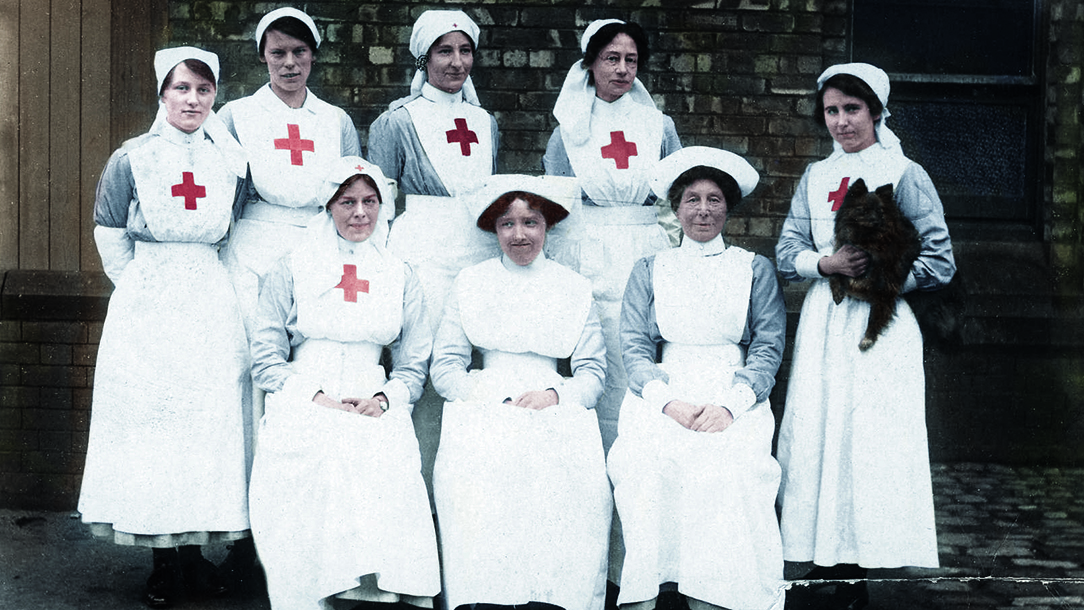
x,y
175,249
620,215
494,359
269,212
716,355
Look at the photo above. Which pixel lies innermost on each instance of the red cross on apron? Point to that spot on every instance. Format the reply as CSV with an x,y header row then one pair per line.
x,y
189,190
463,136
836,196
351,285
619,150
295,144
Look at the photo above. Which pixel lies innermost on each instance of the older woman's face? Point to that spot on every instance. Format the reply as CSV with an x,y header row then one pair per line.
x,y
849,120
188,99
702,211
614,69
521,232
450,59
289,62
355,211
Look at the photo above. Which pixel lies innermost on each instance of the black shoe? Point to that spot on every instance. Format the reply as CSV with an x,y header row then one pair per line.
x,y
201,579
162,587
239,572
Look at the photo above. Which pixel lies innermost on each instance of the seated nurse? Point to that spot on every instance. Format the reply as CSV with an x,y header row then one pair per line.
x,y
692,468
338,506
520,483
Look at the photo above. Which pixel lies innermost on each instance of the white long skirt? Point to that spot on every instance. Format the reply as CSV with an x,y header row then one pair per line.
x,y
697,508
523,505
336,497
856,473
166,449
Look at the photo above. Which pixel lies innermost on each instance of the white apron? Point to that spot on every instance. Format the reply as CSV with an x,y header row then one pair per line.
x,y
337,496
166,448
457,139
697,509
522,498
856,485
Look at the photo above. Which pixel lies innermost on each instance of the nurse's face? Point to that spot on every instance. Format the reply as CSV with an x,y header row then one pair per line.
x,y
702,211
450,59
355,211
521,232
614,70
849,120
188,99
289,62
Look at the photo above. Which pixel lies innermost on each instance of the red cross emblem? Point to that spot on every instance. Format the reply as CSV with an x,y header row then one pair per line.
x,y
295,144
836,197
189,190
462,136
619,150
359,168
351,285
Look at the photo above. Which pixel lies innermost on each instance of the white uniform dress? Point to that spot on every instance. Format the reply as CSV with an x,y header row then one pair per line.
x,y
856,476
165,459
698,509
522,498
626,139
418,141
338,504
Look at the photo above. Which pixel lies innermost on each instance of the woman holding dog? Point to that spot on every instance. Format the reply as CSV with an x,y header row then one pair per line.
x,y
856,491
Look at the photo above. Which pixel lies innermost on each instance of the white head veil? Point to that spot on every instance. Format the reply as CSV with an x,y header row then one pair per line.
x,y
878,81
429,27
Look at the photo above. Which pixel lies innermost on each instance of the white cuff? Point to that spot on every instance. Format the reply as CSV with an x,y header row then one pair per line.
x,y
298,388
806,264
115,248
657,394
909,284
397,393
739,399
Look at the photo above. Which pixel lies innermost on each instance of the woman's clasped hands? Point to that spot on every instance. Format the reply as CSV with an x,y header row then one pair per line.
x,y
699,418
373,407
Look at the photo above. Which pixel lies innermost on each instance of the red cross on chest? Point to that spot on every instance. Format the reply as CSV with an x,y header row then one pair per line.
x,y
462,136
619,150
295,144
836,196
189,190
351,285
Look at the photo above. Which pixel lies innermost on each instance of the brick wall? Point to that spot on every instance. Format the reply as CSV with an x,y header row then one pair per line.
x,y
1065,220
48,342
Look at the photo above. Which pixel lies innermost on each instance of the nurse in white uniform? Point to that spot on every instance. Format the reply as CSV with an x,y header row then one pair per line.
x,y
521,492
856,490
165,464
338,504
692,468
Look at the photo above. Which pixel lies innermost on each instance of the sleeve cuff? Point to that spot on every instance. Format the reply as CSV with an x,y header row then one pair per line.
x,y
806,264
657,394
739,399
397,393
298,388
909,284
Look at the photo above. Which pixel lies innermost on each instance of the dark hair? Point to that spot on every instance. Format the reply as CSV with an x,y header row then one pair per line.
x,y
349,182
550,211
291,26
605,36
196,66
725,182
853,86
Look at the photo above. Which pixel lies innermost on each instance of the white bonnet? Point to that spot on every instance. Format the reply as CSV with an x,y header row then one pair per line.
x,y
344,167
167,59
286,11
871,75
668,169
593,29
431,25
564,191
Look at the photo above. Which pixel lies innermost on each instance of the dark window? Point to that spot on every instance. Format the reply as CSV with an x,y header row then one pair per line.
x,y
966,101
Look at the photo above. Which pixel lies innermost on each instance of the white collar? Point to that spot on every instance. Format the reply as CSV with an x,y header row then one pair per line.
x,y
267,96
711,247
444,98
510,265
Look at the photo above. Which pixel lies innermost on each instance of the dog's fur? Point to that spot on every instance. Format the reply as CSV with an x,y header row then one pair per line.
x,y
873,222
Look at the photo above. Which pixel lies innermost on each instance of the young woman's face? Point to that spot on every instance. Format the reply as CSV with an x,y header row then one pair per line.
x,y
289,62
450,59
521,232
849,120
702,211
188,99
355,211
614,69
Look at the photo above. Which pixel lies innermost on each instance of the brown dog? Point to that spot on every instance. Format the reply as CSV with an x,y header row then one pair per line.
x,y
873,222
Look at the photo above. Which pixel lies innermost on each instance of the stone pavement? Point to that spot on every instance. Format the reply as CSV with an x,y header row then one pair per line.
x,y
1010,538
